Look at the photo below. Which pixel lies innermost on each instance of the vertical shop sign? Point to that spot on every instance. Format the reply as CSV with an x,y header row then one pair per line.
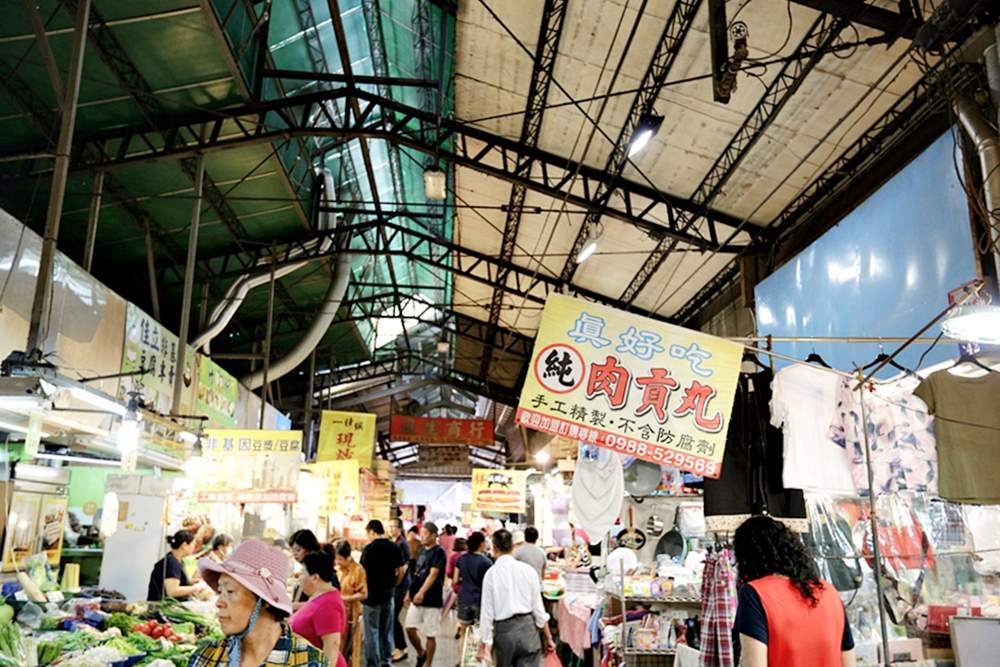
x,y
150,345
342,488
495,490
631,384
346,435
249,466
438,430
218,393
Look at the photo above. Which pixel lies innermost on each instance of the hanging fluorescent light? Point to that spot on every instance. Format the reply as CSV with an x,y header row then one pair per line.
x,y
973,324
11,427
590,244
647,126
435,184
97,399
128,430
24,393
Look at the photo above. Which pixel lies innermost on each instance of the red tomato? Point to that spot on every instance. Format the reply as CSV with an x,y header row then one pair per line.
x,y
157,633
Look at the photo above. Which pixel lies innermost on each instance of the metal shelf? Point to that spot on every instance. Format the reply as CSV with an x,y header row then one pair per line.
x,y
668,600
650,651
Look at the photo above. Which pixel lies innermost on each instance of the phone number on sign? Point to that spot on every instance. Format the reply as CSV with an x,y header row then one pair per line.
x,y
642,450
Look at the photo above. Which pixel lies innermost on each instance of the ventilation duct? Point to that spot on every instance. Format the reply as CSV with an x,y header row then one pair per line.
x,y
987,146
223,313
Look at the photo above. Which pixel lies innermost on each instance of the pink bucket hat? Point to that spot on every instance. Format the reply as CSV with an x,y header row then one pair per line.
x,y
261,568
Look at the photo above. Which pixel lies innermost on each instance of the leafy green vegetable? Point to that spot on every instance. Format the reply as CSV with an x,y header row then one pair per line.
x,y
49,651
123,622
123,646
142,643
175,611
11,646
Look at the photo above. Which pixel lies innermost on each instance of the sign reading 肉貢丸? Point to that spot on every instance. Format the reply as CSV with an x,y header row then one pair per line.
x,y
346,435
496,490
631,384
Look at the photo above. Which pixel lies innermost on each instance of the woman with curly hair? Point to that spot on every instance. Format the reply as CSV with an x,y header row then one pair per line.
x,y
787,616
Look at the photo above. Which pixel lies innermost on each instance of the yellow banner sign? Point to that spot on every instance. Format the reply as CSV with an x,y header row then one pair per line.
x,y
495,490
263,463
631,384
342,487
346,435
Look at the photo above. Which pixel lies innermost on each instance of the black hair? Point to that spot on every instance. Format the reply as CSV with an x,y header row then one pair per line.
x,y
475,541
503,541
342,548
461,544
278,615
530,534
306,539
413,529
319,563
376,527
398,522
764,547
221,540
431,527
180,538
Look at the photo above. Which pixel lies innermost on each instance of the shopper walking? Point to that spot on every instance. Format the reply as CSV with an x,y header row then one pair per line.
x,y
303,542
512,613
787,616
426,595
222,545
383,564
353,589
322,620
530,552
470,570
399,594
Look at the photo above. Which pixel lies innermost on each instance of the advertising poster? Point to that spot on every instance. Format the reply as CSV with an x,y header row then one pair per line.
x,y
504,491
346,435
150,345
20,532
342,485
439,430
218,393
249,466
637,386
51,522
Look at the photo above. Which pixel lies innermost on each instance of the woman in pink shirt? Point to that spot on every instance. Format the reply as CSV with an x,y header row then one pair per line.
x,y
322,619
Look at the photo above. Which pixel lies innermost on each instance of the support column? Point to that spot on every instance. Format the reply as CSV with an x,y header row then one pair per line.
x,y
38,326
95,213
308,406
192,258
154,292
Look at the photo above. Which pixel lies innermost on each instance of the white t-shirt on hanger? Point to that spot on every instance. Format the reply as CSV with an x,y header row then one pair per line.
x,y
803,402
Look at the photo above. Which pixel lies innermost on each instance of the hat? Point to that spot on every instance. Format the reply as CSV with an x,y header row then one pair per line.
x,y
261,568
518,537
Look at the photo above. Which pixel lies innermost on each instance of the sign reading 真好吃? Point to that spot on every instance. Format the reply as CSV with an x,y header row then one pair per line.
x,y
637,386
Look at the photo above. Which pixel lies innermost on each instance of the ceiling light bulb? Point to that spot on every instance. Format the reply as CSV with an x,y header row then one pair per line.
x,y
542,456
639,142
128,436
435,184
644,130
590,245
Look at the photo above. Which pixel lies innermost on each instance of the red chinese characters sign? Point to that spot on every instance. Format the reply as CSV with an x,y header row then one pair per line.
x,y
442,431
635,385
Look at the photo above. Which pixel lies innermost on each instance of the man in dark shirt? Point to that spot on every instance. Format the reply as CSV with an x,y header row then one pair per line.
x,y
384,570
426,595
399,593
471,566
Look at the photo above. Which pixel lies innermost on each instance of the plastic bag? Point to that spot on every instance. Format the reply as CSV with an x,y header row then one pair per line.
x,y
552,660
30,616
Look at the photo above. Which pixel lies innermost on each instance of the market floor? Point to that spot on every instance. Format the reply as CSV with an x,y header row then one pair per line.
x,y
447,651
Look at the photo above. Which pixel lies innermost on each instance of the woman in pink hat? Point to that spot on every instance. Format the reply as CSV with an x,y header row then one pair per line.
x,y
253,606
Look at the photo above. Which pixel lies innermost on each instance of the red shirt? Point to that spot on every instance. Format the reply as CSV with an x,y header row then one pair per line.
x,y
773,612
321,616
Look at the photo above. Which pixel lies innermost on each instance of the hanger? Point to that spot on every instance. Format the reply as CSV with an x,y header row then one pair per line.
x,y
814,358
970,358
882,356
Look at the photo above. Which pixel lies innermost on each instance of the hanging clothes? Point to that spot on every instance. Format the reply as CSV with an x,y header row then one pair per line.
x,y
751,479
900,436
598,489
718,610
967,425
803,402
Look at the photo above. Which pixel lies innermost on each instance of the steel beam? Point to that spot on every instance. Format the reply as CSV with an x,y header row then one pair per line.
x,y
892,23
188,293
38,26
93,218
553,18
154,292
676,29
915,119
39,324
380,80
821,35
380,118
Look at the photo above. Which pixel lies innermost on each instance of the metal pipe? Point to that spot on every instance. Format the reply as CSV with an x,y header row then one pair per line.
x,y
95,213
154,292
267,346
38,26
38,326
830,339
988,149
192,258
307,415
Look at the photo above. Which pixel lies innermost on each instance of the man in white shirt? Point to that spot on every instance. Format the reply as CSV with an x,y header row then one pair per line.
x,y
512,613
531,553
